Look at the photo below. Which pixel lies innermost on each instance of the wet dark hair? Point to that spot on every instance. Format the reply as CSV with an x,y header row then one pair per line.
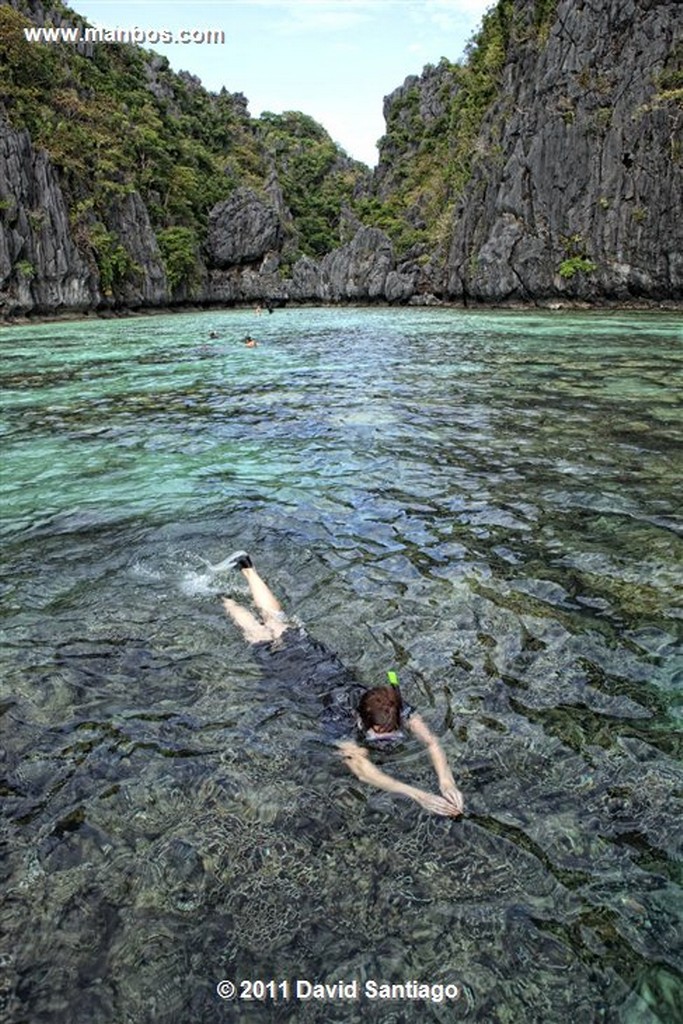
x,y
380,709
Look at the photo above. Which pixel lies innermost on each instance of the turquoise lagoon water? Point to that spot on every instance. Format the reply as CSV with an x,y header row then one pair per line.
x,y
488,502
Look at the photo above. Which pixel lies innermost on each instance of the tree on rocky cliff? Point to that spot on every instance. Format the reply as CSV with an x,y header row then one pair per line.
x,y
546,163
432,131
116,120
316,177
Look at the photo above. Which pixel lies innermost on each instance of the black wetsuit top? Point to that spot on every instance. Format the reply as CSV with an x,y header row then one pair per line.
x,y
296,662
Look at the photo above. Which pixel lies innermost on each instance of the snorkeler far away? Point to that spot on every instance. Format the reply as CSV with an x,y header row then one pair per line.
x,y
292,658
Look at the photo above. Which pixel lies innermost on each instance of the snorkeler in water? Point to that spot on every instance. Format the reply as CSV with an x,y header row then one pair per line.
x,y
290,655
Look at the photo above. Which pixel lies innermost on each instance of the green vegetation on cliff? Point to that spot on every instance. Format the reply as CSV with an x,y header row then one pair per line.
x,y
119,120
116,119
316,178
433,125
513,173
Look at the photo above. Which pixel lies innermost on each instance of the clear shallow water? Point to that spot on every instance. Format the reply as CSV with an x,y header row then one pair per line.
x,y
489,502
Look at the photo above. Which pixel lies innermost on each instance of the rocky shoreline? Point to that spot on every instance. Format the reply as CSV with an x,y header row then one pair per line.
x,y
572,198
185,309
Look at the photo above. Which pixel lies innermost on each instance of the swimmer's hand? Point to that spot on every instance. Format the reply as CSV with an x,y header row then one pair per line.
x,y
454,797
357,758
437,804
449,790
358,761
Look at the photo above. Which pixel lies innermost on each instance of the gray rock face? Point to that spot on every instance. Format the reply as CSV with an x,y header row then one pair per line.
x,y
305,281
582,164
398,287
242,229
245,284
129,219
41,268
578,170
40,265
358,270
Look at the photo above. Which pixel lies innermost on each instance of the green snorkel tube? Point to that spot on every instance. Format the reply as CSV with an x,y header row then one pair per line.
x,y
393,678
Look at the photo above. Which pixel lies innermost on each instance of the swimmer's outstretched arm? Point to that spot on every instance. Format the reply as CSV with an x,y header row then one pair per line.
x,y
358,761
449,790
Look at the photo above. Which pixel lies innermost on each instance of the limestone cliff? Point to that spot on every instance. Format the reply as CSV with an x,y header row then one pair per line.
x,y
40,265
124,184
578,189
545,166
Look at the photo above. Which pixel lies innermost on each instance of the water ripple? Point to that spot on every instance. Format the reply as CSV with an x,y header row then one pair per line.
x,y
488,503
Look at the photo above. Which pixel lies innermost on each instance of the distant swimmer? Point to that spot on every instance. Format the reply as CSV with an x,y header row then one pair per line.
x,y
213,334
293,660
250,342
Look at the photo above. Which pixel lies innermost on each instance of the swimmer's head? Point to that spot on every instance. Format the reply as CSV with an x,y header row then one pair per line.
x,y
379,713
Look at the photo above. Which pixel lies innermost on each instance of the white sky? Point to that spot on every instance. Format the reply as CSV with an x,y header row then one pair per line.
x,y
332,59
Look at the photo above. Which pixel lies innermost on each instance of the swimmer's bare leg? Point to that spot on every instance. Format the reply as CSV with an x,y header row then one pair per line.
x,y
264,599
275,620
266,602
254,632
